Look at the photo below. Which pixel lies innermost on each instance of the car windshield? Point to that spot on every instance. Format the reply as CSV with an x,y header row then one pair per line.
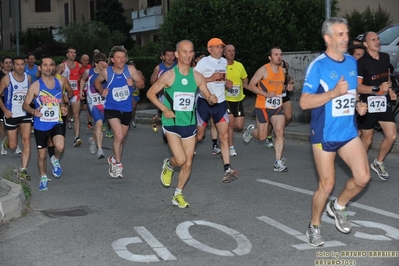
x,y
388,35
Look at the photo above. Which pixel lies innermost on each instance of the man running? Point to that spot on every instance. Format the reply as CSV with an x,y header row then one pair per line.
x,y
47,95
268,84
330,92
120,80
15,87
213,68
178,116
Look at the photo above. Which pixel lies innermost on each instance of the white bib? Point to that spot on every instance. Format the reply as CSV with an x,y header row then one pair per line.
x,y
121,93
183,101
50,113
274,102
97,99
376,104
18,99
234,92
344,105
74,84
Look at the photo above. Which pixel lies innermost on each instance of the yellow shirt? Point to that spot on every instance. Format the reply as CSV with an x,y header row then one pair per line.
x,y
236,73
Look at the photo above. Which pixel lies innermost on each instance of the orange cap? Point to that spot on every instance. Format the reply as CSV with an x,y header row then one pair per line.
x,y
215,42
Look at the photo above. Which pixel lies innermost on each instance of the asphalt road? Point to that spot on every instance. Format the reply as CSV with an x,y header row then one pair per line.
x,y
88,218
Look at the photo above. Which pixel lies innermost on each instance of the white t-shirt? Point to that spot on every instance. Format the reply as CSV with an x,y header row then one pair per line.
x,y
209,65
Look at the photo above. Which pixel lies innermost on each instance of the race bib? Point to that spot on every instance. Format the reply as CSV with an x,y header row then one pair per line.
x,y
274,102
74,84
233,92
344,105
183,101
376,104
50,113
121,93
97,99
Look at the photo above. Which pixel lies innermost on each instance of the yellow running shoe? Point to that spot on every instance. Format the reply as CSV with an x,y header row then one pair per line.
x,y
179,201
166,175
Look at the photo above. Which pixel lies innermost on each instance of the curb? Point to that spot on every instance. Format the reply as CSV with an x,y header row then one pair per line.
x,y
13,204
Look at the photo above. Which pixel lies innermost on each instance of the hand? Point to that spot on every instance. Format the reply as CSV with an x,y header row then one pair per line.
x,y
290,85
212,99
342,87
361,108
168,113
64,110
218,76
37,112
105,92
270,94
393,95
82,95
229,84
130,82
384,86
8,114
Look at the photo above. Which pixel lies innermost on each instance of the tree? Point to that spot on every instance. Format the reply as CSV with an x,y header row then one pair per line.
x,y
368,20
253,26
111,15
96,34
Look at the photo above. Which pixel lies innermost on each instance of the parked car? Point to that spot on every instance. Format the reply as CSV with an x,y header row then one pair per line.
x,y
389,41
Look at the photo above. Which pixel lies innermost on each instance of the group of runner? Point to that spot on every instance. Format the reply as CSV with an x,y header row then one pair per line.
x,y
191,90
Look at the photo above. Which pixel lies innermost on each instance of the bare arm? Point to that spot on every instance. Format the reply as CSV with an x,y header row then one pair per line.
x,y
60,68
201,83
154,75
99,80
260,74
3,85
33,91
83,81
137,78
245,83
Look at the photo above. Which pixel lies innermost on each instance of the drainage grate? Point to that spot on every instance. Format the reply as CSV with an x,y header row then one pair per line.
x,y
69,212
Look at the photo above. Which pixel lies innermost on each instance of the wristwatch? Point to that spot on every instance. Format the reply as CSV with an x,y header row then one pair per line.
x,y
375,89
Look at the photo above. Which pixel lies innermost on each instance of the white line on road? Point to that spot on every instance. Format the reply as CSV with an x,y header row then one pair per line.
x,y
309,192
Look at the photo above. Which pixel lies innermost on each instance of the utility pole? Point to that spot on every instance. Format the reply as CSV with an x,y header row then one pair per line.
x,y
328,9
16,3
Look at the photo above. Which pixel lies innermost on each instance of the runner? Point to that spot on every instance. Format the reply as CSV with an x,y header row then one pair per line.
x,y
15,87
330,92
47,95
178,116
120,79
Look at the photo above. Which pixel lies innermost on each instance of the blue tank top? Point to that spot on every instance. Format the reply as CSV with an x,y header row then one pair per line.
x,y
335,120
120,94
50,100
32,73
162,68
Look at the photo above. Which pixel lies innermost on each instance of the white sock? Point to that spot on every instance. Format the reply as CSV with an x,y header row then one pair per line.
x,y
178,191
337,206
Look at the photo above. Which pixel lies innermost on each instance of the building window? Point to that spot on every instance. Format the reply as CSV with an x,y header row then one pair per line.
x,y
42,6
151,3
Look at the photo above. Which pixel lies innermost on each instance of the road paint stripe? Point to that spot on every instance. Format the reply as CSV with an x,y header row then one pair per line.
x,y
352,204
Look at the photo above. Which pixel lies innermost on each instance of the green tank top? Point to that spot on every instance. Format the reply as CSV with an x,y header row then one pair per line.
x,y
181,99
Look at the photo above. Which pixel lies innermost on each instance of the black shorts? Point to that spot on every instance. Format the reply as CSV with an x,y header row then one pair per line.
x,y
13,123
235,109
286,99
84,101
42,137
368,120
124,117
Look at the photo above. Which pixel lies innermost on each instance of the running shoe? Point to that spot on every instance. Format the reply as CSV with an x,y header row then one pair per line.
x,y
3,150
167,173
233,151
118,171
269,142
112,165
314,235
341,218
18,150
215,149
23,174
247,136
230,175
43,183
133,124
380,170
100,154
109,135
56,168
89,126
179,201
92,146
77,142
279,166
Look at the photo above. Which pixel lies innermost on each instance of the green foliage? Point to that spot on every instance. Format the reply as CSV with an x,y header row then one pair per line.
x,y
111,15
146,65
87,36
252,26
368,20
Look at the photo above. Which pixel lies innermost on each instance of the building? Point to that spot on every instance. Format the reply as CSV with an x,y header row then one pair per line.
x,y
145,15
